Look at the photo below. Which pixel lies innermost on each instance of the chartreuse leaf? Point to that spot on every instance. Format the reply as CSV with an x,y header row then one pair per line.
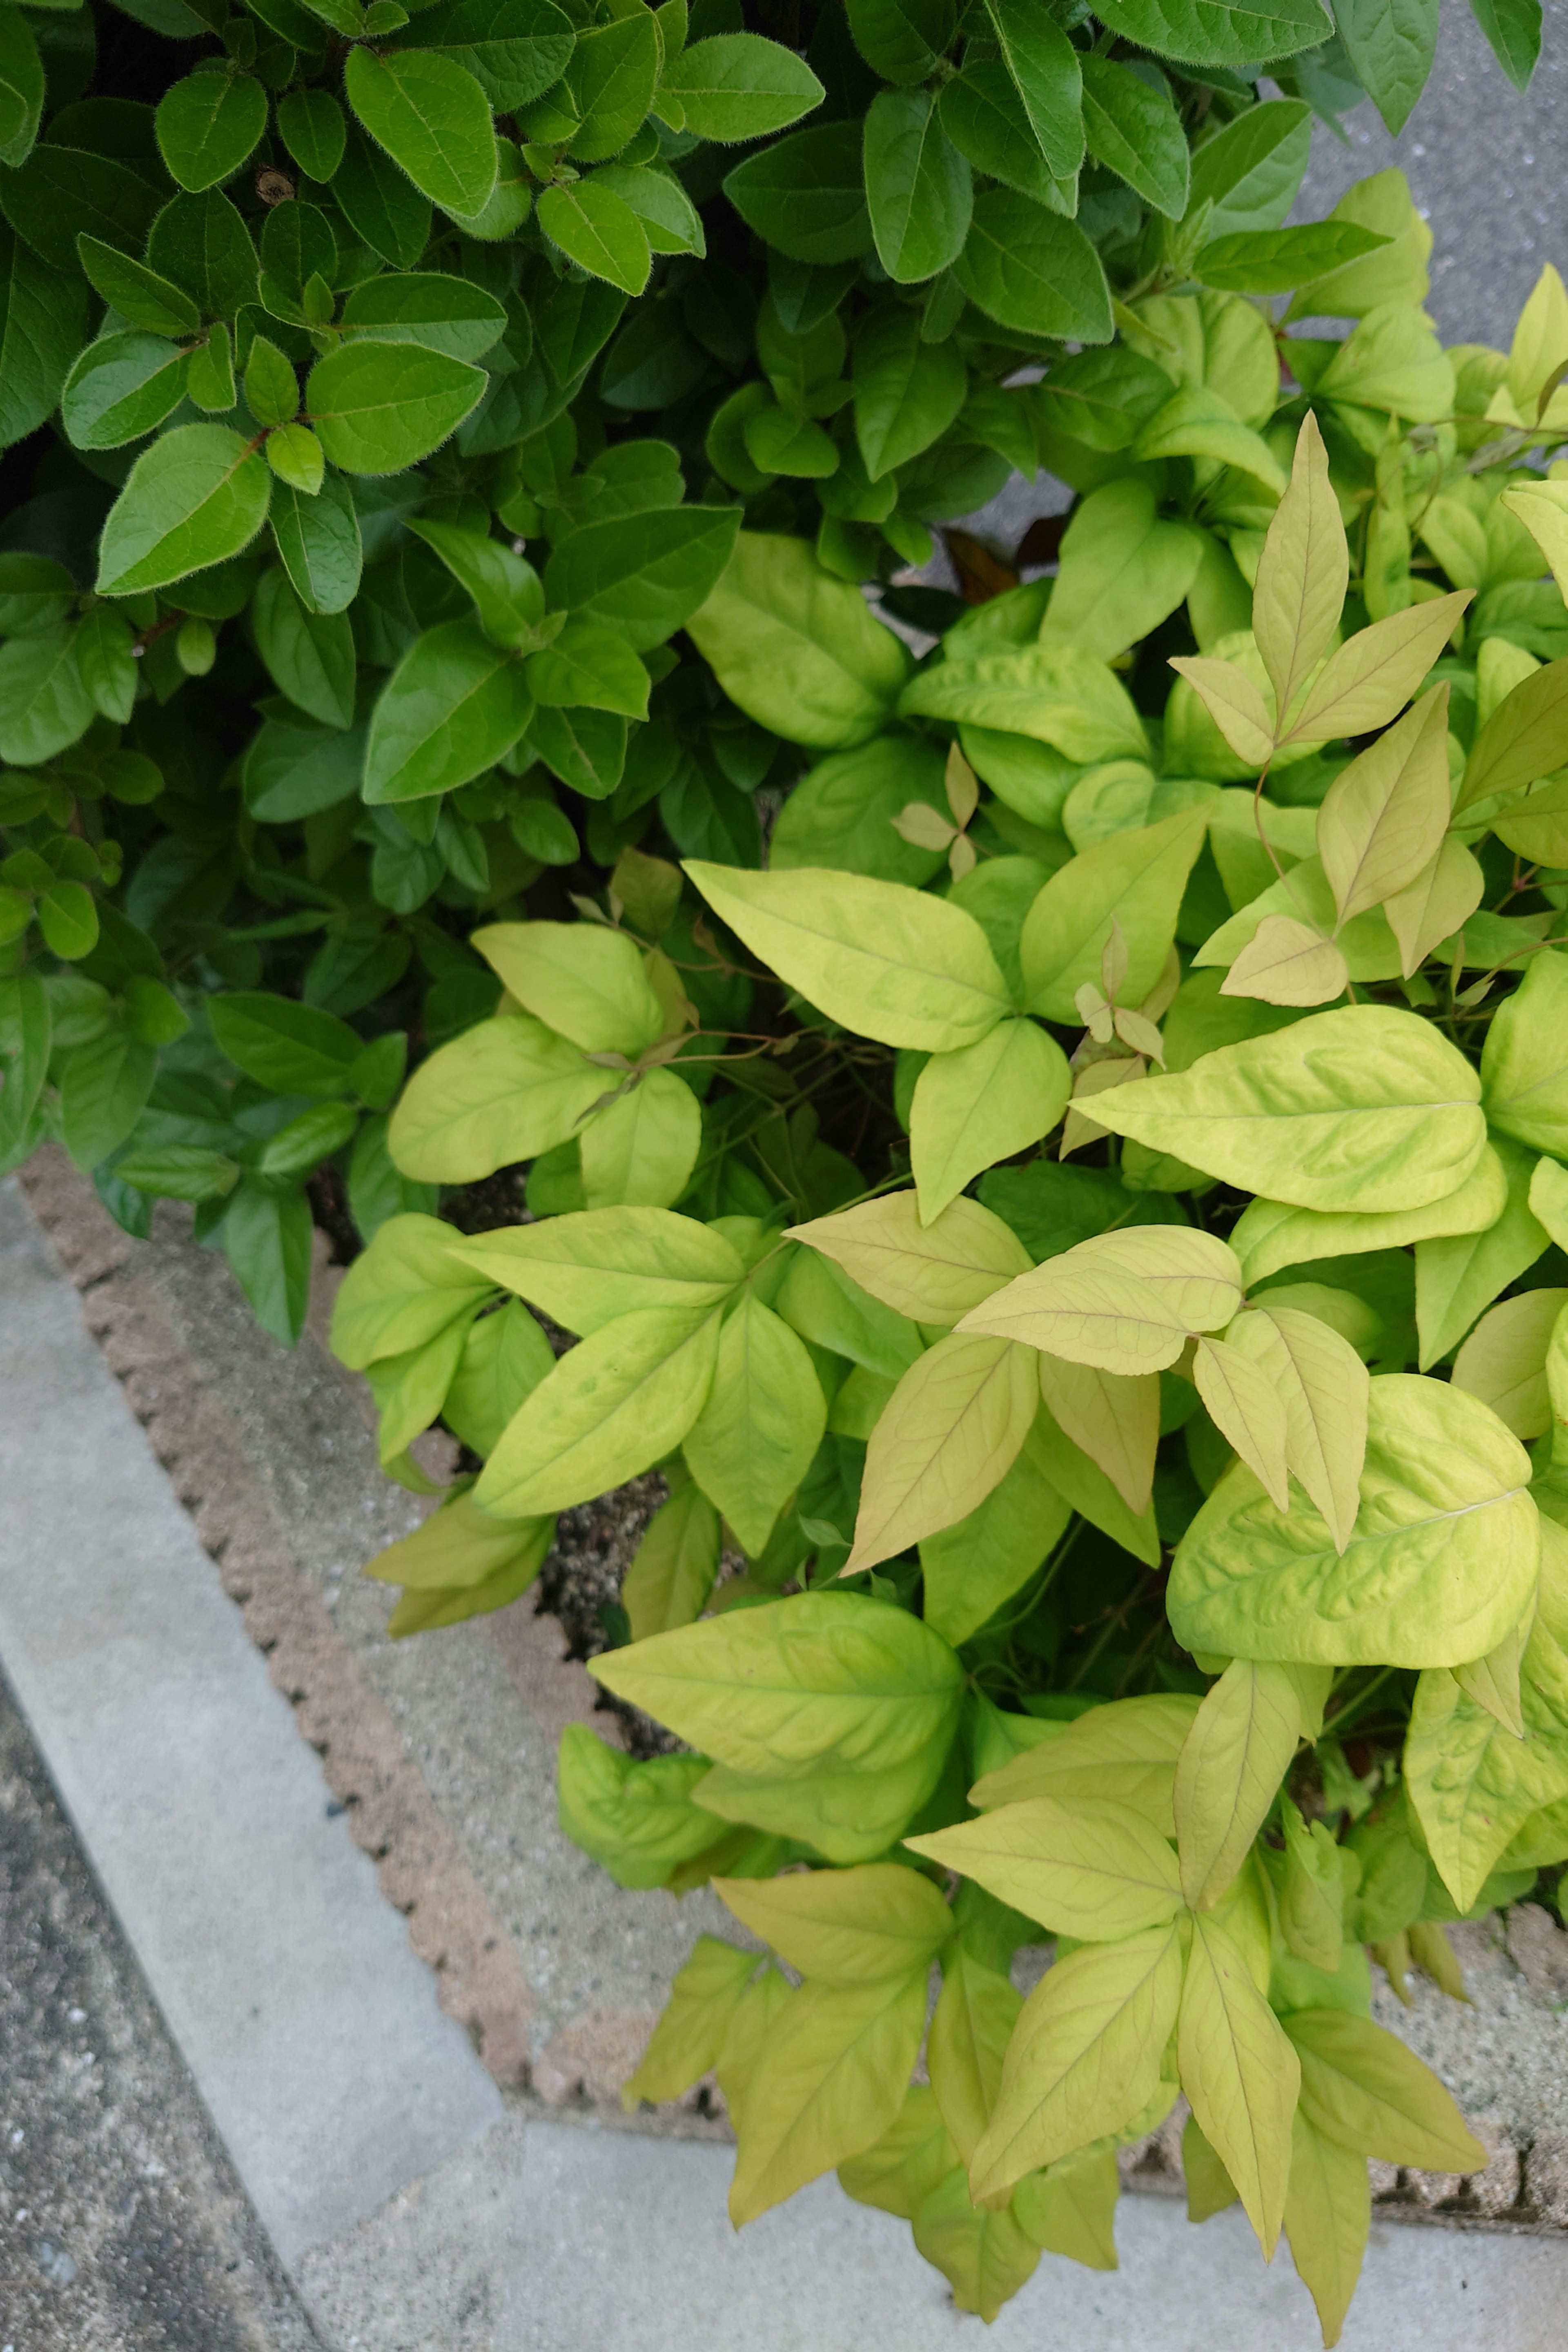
x,y
912,2158
1328,2214
1127,1301
1368,2092
1123,570
982,1104
829,2081
1135,879
590,984
642,1146
585,1269
506,1090
1504,1360
506,1355
1239,1750
1367,681
1070,2208
1092,1868
460,1546
1112,1417
1057,693
737,86
1441,1563
1269,1234
611,1407
1384,816
1362,1109
1473,1781
674,1567
985,2256
1302,572
1090,1490
823,1683
1240,2073
686,2041
1459,1275
1244,1407
947,1435
1086,2055
1311,1900
796,647
931,1272
754,1439
1524,1062
432,119
402,1291
197,496
975,2013
842,1926
636,1821
378,408
886,961
1323,1385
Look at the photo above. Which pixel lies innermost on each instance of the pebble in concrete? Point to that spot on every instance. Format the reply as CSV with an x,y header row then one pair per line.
x,y
313,2030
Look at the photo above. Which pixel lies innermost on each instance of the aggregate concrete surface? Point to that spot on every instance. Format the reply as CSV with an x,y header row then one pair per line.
x,y
124,2226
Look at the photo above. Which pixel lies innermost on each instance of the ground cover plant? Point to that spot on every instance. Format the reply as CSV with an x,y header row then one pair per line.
x,y
1088,1259
314,317
1057,1160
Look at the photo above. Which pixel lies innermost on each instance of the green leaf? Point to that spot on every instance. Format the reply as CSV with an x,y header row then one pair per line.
x,y
121,388
591,985
1363,1108
1456,1275
35,593
1524,1063
21,89
1031,270
1276,261
309,656
105,659
1123,571
902,40
319,541
268,1237
381,205
918,187
1251,170
1134,129
451,708
907,392
1366,2092
209,124
1135,879
1056,694
61,191
599,230
197,496
1439,1566
1391,45
432,119
613,1405
736,86
985,2256
1241,1745
1092,1869
588,666
841,812
515,53
982,1104
643,1146
892,964
1085,2058
609,84
670,221
1222,33
67,918
442,314
822,1683
311,125
984,116
294,1049
379,407
1240,2073
972,1568
806,195
44,702
830,2080
1044,66
674,1567
797,649
1513,29
509,597
42,321
138,293
644,576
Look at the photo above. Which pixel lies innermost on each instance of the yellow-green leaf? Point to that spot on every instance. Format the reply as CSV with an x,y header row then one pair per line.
x,y
1302,572
673,1568
1112,1417
844,1927
1135,879
1384,816
589,1267
1287,963
984,2256
973,2024
753,1439
1328,2213
1241,2075
1237,1752
1126,1751
1247,1408
581,979
1126,1301
1368,2092
1070,2208
507,1089
1368,680
933,1273
1322,1384
980,1105
703,1997
950,1433
1503,1361
1086,1867
969,1569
